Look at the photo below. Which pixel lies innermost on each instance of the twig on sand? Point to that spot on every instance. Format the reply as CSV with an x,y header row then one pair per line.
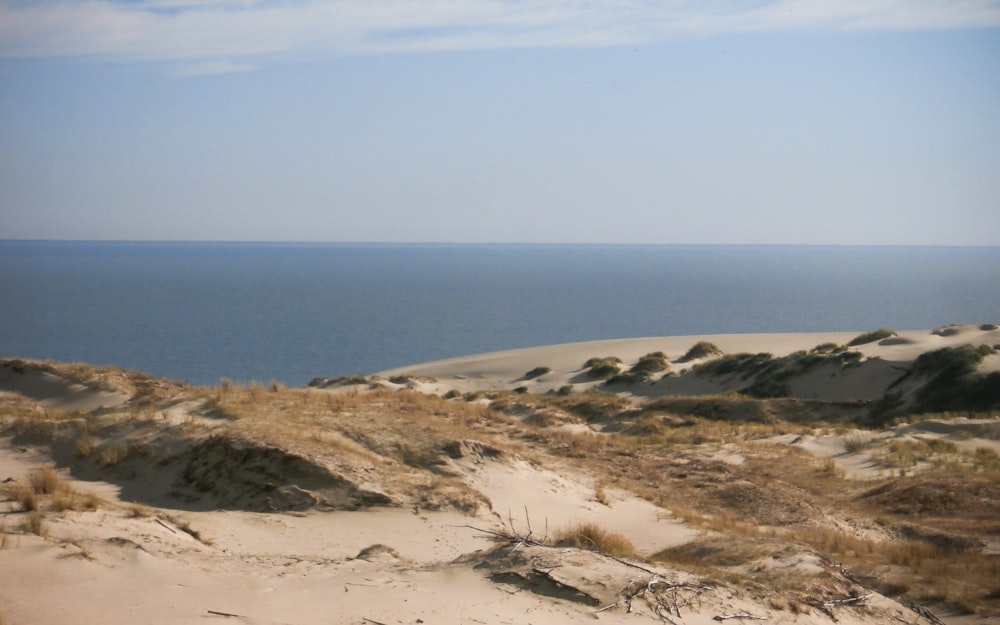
x,y
600,551
368,620
169,528
660,595
860,599
741,615
512,535
226,614
504,536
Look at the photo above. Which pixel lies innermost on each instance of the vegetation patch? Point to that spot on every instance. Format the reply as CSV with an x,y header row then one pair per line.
x,y
701,349
642,370
871,337
537,372
603,368
593,537
950,380
767,376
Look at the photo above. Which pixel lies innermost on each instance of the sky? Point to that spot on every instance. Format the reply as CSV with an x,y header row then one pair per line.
x,y
816,122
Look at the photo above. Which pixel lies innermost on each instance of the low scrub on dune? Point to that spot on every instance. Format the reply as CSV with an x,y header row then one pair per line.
x,y
537,372
603,368
768,376
949,380
593,405
701,349
642,370
871,337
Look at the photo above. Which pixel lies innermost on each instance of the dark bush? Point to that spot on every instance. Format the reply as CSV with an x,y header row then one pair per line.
x,y
953,383
537,372
871,337
827,348
603,368
701,349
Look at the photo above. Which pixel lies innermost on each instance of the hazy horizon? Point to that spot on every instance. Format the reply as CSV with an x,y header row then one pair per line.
x,y
772,123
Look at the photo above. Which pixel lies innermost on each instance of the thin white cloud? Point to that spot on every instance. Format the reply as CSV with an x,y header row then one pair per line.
x,y
207,68
215,31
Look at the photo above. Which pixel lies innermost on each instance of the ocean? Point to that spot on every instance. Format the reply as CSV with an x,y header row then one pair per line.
x,y
290,312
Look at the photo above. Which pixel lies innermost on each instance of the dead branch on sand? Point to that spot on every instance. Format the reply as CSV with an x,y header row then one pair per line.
x,y
862,599
741,615
664,598
512,536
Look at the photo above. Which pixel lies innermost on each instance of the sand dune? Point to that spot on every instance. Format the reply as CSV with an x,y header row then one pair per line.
x,y
507,369
348,503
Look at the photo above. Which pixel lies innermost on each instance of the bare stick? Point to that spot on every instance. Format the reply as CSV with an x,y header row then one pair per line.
x,y
725,617
226,614
860,599
168,527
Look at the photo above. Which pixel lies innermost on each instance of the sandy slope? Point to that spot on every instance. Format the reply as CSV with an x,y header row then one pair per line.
x,y
128,564
111,566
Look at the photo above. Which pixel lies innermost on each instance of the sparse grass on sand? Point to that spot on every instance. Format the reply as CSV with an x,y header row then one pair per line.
x,y
710,461
593,537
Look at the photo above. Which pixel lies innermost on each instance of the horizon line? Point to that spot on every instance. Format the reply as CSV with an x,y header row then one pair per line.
x,y
486,243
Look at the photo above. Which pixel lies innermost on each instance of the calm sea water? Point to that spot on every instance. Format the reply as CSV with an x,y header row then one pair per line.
x,y
290,312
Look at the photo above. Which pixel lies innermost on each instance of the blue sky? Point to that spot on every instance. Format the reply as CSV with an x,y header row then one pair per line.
x,y
785,122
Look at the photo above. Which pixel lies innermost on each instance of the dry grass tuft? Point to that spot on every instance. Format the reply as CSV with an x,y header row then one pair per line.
x,y
25,497
84,447
137,510
35,524
68,499
854,443
45,481
593,537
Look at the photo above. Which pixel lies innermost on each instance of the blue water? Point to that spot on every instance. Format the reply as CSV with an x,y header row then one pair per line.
x,y
290,312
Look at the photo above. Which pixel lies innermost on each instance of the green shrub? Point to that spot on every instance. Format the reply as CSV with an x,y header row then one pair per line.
x,y
536,372
607,360
871,337
701,349
952,382
849,359
603,368
827,348
650,363
627,378
743,364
